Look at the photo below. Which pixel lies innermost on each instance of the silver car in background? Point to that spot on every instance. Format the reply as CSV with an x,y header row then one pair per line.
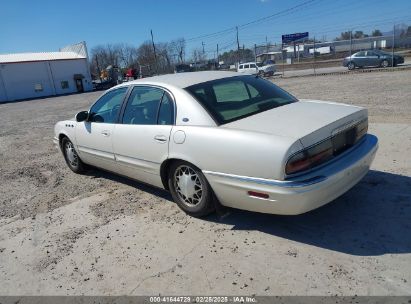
x,y
266,68
222,138
372,58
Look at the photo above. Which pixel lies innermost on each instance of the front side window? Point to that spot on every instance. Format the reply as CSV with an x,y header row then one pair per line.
x,y
360,54
233,98
143,107
107,107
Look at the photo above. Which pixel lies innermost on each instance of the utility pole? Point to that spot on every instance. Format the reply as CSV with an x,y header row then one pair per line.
x,y
202,43
315,72
218,58
350,42
154,49
393,44
255,53
266,43
238,47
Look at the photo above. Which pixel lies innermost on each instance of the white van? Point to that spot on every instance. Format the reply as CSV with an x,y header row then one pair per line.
x,y
248,67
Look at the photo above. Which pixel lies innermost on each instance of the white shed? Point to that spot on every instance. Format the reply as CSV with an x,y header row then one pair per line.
x,y
31,75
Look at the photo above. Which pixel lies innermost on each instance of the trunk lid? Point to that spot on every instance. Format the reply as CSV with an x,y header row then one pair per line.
x,y
310,121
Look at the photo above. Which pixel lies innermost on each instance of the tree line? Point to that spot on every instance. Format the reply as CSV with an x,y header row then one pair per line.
x,y
150,58
401,31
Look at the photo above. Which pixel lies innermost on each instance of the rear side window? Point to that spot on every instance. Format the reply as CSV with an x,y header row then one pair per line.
x,y
166,111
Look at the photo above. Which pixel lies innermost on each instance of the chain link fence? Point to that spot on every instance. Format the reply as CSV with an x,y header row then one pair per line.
x,y
312,55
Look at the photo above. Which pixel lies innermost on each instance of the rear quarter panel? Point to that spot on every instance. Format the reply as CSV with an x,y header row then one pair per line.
x,y
231,151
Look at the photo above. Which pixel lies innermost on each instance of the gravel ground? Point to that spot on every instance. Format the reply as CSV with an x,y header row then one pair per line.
x,y
386,95
99,234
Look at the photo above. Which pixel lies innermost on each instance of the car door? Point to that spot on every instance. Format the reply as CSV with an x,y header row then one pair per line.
x,y
253,68
241,68
141,140
94,136
360,59
372,58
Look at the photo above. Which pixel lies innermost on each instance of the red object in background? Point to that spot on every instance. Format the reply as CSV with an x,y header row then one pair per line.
x,y
130,73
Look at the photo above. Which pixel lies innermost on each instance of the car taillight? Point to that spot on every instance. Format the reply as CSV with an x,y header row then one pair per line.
x,y
327,149
309,158
361,129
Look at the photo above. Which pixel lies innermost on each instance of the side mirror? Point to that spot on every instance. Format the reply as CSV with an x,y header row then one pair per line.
x,y
81,116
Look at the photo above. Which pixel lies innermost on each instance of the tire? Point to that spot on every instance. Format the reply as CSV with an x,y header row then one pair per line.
x,y
190,189
351,65
70,155
385,63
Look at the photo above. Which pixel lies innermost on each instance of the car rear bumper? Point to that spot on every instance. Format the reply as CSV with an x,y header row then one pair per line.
x,y
300,195
399,60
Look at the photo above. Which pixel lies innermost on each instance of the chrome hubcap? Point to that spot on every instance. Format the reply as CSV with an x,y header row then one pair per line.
x,y
71,154
188,185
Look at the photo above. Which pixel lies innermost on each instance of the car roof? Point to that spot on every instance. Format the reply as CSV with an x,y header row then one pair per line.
x,y
183,80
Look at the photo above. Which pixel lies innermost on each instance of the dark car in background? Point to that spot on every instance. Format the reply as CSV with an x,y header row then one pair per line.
x,y
372,58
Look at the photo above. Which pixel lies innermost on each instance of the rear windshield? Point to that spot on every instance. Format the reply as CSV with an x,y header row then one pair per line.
x,y
233,98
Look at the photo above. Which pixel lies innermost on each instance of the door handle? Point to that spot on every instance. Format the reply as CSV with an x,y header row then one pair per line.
x,y
105,133
160,138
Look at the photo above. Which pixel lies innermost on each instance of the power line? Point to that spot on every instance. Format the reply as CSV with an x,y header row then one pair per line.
x,y
277,14
231,29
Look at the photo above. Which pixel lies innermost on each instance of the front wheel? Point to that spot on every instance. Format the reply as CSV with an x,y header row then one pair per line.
x,y
385,63
190,189
70,155
351,65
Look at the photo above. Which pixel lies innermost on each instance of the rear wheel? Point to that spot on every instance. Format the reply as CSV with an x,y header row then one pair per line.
x,y
351,65
70,155
385,63
190,189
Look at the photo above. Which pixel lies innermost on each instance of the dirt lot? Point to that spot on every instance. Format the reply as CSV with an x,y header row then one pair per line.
x,y
99,234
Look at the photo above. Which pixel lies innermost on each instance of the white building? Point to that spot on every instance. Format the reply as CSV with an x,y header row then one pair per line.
x,y
31,75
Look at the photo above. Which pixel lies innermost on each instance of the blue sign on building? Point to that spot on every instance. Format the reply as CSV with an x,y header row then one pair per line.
x,y
294,37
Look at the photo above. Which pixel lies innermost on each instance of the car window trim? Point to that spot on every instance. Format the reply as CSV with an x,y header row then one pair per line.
x,y
131,88
159,107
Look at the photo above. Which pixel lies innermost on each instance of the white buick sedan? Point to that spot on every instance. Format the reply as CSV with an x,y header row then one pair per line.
x,y
223,138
